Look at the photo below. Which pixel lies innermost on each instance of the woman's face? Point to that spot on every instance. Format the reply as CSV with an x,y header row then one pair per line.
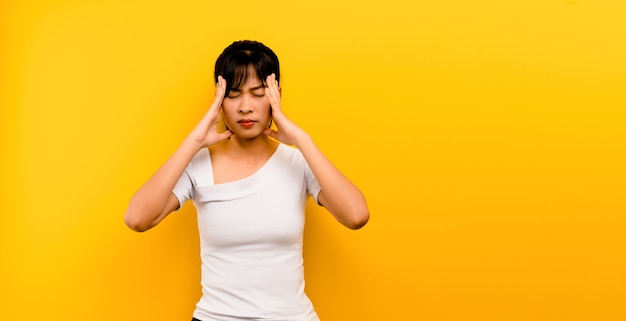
x,y
247,109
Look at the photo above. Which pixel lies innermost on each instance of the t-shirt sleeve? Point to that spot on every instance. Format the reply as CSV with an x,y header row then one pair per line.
x,y
183,190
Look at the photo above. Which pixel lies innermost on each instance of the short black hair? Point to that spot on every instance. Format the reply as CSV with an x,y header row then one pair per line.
x,y
242,56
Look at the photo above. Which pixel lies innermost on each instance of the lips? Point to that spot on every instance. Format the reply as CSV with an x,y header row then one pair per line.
x,y
246,122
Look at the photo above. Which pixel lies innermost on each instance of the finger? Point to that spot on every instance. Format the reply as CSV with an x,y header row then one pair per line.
x,y
218,137
276,87
268,82
273,91
271,133
221,86
270,92
220,89
226,134
273,82
274,101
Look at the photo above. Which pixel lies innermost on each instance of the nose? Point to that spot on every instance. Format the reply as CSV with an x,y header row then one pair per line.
x,y
245,106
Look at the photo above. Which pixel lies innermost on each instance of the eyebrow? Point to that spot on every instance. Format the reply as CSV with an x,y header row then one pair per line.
x,y
251,89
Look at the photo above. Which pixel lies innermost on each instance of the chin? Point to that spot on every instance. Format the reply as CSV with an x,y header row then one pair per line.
x,y
249,134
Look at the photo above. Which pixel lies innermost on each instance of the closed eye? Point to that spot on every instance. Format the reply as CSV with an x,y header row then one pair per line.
x,y
258,92
234,93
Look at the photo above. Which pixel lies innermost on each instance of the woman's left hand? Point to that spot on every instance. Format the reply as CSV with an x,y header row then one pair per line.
x,y
288,132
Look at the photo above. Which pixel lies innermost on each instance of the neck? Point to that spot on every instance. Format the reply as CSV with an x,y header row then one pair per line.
x,y
258,146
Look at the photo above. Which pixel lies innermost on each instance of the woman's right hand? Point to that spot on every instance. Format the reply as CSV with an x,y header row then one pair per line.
x,y
205,133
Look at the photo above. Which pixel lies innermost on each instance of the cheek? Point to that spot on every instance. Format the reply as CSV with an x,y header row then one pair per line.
x,y
263,105
228,110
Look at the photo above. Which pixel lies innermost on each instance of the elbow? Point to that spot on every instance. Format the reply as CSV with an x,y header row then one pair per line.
x,y
358,219
135,223
359,222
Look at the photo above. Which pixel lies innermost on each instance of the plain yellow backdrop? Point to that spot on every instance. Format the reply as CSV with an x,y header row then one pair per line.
x,y
488,136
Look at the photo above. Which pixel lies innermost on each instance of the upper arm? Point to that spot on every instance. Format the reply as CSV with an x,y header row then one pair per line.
x,y
172,204
322,200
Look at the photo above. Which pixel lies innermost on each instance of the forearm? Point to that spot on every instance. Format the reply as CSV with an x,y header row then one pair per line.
x,y
340,196
150,203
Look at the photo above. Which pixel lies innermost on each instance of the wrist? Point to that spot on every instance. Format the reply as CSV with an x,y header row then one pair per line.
x,y
192,145
303,140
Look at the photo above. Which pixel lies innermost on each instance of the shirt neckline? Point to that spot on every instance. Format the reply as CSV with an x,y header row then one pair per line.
x,y
246,179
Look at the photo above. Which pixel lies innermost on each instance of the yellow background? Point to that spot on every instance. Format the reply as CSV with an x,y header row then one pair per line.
x,y
488,136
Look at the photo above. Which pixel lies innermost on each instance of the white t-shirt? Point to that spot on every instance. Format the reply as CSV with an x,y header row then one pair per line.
x,y
251,238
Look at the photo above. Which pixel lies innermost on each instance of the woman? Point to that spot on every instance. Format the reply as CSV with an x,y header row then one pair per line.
x,y
250,193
